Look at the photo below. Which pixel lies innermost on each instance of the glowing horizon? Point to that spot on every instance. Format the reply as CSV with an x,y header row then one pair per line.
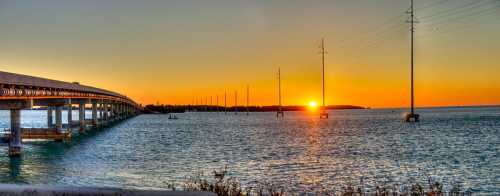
x,y
173,52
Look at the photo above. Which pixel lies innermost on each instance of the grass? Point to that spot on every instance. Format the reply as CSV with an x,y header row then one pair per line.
x,y
223,185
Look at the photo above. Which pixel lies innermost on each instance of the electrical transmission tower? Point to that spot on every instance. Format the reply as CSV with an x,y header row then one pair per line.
x,y
323,113
412,116
280,112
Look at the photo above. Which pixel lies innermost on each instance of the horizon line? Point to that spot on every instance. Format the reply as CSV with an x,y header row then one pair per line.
x,y
336,105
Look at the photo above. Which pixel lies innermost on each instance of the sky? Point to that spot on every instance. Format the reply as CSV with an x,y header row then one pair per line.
x,y
180,51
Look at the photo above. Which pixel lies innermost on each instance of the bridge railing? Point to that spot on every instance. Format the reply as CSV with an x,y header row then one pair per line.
x,y
26,93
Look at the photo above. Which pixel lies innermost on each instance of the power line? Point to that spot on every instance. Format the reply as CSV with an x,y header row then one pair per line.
x,y
458,9
463,26
433,4
460,16
481,12
389,23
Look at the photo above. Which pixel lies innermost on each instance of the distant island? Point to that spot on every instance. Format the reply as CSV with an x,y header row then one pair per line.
x,y
165,109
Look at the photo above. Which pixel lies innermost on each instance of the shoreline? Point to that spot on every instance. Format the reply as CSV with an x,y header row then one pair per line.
x,y
46,190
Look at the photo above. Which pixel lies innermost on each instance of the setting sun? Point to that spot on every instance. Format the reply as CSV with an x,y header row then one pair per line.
x,y
313,105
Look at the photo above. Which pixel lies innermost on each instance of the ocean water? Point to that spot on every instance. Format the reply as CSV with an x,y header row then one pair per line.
x,y
300,152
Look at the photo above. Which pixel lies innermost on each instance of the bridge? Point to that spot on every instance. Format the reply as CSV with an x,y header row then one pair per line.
x,y
20,92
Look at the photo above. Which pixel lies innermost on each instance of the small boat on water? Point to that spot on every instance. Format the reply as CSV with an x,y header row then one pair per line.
x,y
172,117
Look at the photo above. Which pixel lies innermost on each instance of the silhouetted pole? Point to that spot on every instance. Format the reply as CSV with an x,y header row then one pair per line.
x,y
412,22
248,97
323,112
206,103
225,102
279,113
323,63
217,102
412,15
235,102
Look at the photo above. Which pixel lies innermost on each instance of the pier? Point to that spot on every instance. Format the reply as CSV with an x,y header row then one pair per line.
x,y
19,92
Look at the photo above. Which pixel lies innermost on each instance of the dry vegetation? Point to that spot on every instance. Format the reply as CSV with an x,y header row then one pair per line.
x,y
224,185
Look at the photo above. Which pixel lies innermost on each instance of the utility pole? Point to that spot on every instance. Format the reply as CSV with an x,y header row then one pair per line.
x,y
217,102
280,112
323,112
206,103
235,102
248,97
412,116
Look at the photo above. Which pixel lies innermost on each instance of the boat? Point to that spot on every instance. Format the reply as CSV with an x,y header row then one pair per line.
x,y
172,117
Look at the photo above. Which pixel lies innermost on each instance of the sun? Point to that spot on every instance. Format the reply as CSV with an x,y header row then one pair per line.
x,y
313,105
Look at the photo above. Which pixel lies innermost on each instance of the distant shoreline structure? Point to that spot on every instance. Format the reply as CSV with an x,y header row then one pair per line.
x,y
151,109
154,109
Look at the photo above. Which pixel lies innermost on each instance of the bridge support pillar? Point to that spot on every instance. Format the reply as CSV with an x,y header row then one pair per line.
x,y
101,114
119,111
59,119
15,143
105,107
124,115
49,117
112,112
81,116
94,113
70,115
127,111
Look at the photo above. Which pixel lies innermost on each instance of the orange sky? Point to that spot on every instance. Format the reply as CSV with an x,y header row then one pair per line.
x,y
174,51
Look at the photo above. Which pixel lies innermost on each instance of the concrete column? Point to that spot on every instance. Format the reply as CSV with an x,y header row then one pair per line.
x,y
49,117
59,118
111,111
109,108
15,143
118,114
81,116
94,113
105,106
101,108
70,115
126,111
120,111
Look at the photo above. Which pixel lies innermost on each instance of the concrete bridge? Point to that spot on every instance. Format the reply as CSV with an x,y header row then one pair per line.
x,y
18,92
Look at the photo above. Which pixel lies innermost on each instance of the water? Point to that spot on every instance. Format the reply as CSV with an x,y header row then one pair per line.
x,y
301,152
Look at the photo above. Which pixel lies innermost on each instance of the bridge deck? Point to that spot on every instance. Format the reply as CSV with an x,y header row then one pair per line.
x,y
7,78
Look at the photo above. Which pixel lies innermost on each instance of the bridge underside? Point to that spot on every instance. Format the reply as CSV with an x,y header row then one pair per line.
x,y
103,112
40,134
20,92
